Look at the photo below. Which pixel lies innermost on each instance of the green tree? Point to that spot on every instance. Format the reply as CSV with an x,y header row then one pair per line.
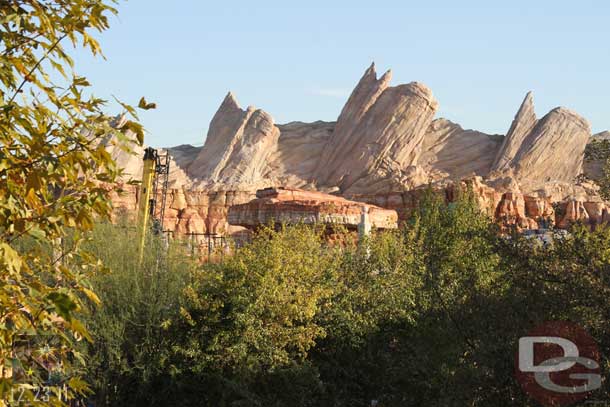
x,y
567,280
249,324
427,315
406,330
133,331
51,174
599,151
373,303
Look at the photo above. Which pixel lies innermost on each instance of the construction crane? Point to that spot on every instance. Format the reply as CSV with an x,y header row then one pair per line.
x,y
155,179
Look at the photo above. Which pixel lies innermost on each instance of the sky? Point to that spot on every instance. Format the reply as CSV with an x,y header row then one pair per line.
x,y
300,60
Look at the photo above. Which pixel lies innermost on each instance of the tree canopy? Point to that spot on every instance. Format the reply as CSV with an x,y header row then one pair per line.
x,y
52,175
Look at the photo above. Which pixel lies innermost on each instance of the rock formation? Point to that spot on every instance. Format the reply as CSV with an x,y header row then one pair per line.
x,y
536,152
448,151
363,97
293,206
298,152
554,149
237,147
384,146
522,125
378,135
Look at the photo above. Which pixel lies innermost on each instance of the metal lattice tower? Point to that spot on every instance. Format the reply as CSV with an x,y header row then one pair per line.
x,y
160,192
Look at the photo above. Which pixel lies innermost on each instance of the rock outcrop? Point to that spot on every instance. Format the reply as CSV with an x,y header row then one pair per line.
x,y
363,97
298,152
450,152
237,147
187,211
522,125
554,149
384,146
294,206
549,150
509,209
378,135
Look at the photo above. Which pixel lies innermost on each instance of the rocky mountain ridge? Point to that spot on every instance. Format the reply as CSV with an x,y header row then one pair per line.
x,y
385,141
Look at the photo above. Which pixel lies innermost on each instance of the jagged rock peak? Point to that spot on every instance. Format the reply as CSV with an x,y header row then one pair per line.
x,y
385,140
554,148
363,97
522,125
237,146
371,74
370,71
230,103
225,128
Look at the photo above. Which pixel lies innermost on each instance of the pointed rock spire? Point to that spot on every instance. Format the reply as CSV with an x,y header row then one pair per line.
x,y
370,71
522,124
379,132
237,145
554,149
229,103
387,140
364,95
225,124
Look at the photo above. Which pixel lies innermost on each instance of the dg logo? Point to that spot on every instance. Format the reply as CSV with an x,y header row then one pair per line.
x,y
557,364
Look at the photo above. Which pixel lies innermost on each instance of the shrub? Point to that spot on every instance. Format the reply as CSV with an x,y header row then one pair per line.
x,y
132,327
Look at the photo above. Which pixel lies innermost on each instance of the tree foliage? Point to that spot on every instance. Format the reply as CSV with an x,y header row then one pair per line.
x,y
599,150
132,331
426,315
51,170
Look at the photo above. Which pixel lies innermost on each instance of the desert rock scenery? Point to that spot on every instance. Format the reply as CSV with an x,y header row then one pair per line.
x,y
386,145
435,234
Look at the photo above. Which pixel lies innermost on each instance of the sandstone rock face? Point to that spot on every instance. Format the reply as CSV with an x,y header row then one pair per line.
x,y
387,140
378,135
226,126
238,145
248,161
299,149
509,209
384,146
449,152
363,97
186,211
535,153
554,149
293,206
522,125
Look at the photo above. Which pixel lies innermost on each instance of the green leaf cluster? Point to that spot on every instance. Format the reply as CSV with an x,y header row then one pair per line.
x,y
426,315
53,187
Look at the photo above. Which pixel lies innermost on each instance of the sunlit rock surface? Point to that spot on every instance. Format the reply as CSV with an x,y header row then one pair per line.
x,y
294,206
384,148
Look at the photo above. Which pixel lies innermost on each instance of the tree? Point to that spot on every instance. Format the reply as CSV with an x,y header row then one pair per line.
x,y
599,151
248,324
52,171
133,330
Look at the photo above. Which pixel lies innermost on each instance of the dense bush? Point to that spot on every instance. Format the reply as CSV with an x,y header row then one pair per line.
x,y
130,330
426,315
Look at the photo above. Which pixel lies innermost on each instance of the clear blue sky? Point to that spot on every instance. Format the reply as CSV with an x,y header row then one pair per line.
x,y
299,60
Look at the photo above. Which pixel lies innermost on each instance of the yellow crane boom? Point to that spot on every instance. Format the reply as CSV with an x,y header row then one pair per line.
x,y
146,197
